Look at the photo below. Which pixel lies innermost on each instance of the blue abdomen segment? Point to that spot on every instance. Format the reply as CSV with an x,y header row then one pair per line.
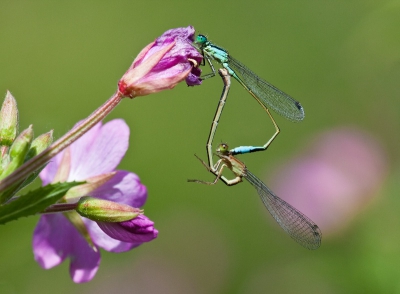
x,y
245,149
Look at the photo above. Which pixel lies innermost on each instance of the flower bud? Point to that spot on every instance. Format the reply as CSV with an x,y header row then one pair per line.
x,y
105,211
18,151
39,144
137,230
163,64
8,120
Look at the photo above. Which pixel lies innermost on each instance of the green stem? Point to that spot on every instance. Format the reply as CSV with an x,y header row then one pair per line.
x,y
62,207
41,159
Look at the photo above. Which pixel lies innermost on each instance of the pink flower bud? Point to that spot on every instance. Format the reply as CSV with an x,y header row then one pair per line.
x,y
163,64
137,230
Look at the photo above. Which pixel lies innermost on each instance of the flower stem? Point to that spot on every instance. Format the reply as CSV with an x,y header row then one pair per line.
x,y
60,207
36,162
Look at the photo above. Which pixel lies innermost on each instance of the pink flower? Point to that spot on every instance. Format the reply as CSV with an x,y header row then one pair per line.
x,y
342,170
137,230
55,238
163,64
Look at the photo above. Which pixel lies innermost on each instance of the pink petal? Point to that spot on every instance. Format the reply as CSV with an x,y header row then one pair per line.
x,y
48,173
124,187
85,263
55,239
104,241
100,151
141,55
49,246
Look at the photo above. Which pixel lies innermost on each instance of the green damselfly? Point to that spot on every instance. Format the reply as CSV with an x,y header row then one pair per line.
x,y
302,229
267,95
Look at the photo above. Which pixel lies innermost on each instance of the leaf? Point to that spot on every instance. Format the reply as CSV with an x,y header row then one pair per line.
x,y
34,201
12,190
31,177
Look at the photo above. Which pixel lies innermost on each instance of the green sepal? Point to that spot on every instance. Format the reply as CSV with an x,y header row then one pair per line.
x,y
78,223
18,151
34,201
106,211
39,144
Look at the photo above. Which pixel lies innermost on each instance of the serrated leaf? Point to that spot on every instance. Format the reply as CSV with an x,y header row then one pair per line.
x,y
30,178
34,201
12,190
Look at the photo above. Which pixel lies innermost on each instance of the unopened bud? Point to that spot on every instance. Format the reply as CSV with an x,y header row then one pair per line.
x,y
8,120
162,64
106,211
39,144
18,151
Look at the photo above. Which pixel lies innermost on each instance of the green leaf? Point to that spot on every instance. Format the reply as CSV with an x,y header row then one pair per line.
x,y
34,201
12,190
30,178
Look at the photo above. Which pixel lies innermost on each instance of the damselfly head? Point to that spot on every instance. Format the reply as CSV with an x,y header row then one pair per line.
x,y
200,39
223,149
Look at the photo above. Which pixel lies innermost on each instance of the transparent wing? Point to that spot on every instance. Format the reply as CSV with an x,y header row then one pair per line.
x,y
297,225
270,96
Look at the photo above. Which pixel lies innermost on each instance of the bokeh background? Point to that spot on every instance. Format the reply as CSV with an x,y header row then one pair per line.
x,y
340,166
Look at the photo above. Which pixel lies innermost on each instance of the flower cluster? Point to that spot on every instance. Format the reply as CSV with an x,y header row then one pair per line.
x,y
16,149
92,158
85,203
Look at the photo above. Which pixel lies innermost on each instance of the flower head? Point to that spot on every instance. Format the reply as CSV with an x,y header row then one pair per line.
x,y
162,64
56,236
342,171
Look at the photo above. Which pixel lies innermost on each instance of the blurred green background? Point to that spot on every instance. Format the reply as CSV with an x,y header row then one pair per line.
x,y
340,59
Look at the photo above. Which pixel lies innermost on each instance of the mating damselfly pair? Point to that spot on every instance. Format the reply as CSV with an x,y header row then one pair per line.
x,y
302,229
